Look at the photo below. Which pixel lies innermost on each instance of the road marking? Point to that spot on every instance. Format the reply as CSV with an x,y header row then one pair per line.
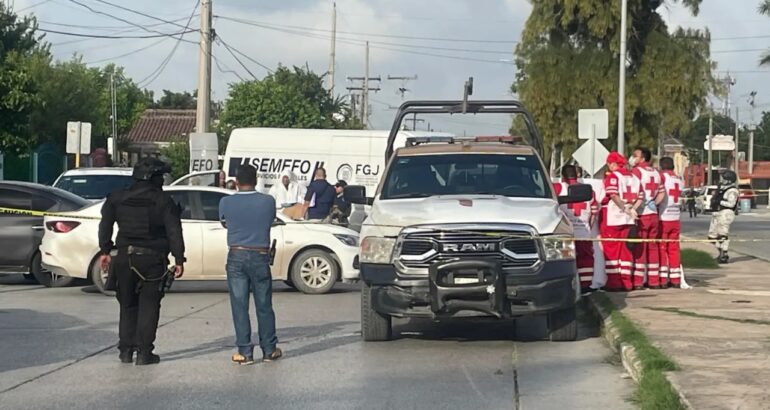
x,y
112,346
470,381
516,396
739,292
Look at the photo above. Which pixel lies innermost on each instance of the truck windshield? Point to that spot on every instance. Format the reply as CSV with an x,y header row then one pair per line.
x,y
93,187
479,174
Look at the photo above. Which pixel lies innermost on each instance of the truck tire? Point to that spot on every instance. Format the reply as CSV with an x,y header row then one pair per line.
x,y
375,327
46,278
98,277
314,272
562,325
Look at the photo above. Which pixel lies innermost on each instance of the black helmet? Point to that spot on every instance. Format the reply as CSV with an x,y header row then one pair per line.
x,y
729,176
146,168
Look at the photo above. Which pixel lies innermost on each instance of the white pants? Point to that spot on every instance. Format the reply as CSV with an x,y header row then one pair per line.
x,y
720,227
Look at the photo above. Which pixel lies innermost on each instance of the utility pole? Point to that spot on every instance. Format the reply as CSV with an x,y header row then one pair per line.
x,y
333,55
709,176
404,80
752,127
203,113
114,116
365,108
737,141
729,82
414,120
622,85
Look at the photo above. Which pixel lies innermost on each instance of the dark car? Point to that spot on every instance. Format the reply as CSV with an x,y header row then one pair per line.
x,y
20,234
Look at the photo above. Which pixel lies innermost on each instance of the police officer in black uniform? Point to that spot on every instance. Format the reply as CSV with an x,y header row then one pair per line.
x,y
149,227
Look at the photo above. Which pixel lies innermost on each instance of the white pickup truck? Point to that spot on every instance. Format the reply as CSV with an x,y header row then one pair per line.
x,y
467,227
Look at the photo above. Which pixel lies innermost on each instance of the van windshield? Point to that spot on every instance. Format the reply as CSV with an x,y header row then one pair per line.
x,y
93,186
477,174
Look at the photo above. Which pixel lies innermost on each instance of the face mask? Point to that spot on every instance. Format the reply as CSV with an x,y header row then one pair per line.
x,y
633,161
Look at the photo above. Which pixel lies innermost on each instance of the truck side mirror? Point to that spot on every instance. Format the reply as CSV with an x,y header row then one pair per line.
x,y
577,193
355,194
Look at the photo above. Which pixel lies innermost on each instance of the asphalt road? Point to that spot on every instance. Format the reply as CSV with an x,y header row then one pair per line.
x,y
57,350
755,225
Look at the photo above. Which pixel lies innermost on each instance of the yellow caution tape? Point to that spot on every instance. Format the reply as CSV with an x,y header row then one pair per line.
x,y
26,212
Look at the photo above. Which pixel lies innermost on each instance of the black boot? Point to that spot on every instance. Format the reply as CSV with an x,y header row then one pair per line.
x,y
143,359
126,356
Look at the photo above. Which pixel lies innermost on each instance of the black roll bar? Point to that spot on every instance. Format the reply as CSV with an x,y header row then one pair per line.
x,y
460,107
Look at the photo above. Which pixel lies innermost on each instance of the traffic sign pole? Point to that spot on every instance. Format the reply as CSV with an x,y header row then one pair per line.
x,y
593,146
80,141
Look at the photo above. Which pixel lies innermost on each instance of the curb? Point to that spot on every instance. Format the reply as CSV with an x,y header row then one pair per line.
x,y
629,358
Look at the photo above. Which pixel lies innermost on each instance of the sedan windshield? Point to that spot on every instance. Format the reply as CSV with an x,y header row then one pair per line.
x,y
479,174
93,186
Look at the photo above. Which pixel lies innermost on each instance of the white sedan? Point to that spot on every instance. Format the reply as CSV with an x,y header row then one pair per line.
x,y
311,257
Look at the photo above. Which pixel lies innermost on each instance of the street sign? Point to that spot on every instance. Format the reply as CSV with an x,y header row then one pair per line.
x,y
204,151
720,143
78,137
592,156
593,124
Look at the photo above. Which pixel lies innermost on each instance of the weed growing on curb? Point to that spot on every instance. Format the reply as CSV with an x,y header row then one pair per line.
x,y
654,391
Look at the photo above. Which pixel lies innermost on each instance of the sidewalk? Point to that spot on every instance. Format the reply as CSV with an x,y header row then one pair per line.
x,y
718,332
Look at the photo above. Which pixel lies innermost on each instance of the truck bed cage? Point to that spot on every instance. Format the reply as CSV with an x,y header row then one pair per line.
x,y
462,107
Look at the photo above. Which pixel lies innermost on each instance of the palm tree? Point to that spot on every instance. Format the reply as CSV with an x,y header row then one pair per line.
x,y
764,8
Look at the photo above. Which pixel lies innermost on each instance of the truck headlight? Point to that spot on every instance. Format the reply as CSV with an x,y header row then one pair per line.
x,y
558,247
377,249
349,240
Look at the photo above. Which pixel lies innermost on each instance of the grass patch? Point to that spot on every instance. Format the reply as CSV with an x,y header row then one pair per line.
x,y
654,392
695,259
702,316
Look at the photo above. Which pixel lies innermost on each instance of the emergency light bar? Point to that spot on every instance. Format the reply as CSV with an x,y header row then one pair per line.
x,y
412,141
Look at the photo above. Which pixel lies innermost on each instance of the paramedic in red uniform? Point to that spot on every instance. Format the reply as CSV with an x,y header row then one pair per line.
x,y
582,215
618,216
647,254
670,263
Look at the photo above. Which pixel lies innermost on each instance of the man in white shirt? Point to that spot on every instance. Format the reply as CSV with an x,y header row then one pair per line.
x,y
287,192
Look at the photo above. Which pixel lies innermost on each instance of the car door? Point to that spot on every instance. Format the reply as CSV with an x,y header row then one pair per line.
x,y
191,232
17,232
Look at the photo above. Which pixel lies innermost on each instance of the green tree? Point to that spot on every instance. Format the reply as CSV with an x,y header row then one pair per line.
x,y
178,156
568,60
20,48
287,98
764,8
696,134
175,100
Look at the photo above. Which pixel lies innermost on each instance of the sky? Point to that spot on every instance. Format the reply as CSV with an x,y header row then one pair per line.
x,y
296,32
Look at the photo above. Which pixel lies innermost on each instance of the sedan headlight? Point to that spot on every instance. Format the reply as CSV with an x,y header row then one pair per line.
x,y
349,240
558,247
377,249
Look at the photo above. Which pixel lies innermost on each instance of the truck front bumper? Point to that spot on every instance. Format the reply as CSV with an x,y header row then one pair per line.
x,y
552,286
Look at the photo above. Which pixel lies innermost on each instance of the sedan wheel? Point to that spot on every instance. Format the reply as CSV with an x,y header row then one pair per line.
x,y
46,278
99,277
314,272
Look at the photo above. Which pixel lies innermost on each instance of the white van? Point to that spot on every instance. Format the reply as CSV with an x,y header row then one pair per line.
x,y
354,156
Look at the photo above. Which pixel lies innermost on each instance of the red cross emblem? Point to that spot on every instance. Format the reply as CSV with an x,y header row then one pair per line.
x,y
629,196
578,207
675,193
651,186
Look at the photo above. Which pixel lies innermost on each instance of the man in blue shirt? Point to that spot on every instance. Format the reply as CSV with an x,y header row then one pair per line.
x,y
248,216
320,197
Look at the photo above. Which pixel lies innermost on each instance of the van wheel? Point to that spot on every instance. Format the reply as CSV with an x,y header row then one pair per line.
x,y
562,325
314,272
45,277
375,327
98,278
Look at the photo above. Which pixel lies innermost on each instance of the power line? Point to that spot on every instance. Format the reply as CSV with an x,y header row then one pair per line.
x,y
31,6
121,28
155,74
226,69
138,50
101,36
141,13
231,49
443,39
237,59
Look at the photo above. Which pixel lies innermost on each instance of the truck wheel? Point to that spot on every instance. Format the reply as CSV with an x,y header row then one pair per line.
x,y
375,327
314,272
98,278
562,325
46,278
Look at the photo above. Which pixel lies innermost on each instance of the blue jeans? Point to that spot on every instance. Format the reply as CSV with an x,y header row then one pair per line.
x,y
249,271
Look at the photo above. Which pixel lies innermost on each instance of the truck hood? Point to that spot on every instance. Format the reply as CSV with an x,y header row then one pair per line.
x,y
388,217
